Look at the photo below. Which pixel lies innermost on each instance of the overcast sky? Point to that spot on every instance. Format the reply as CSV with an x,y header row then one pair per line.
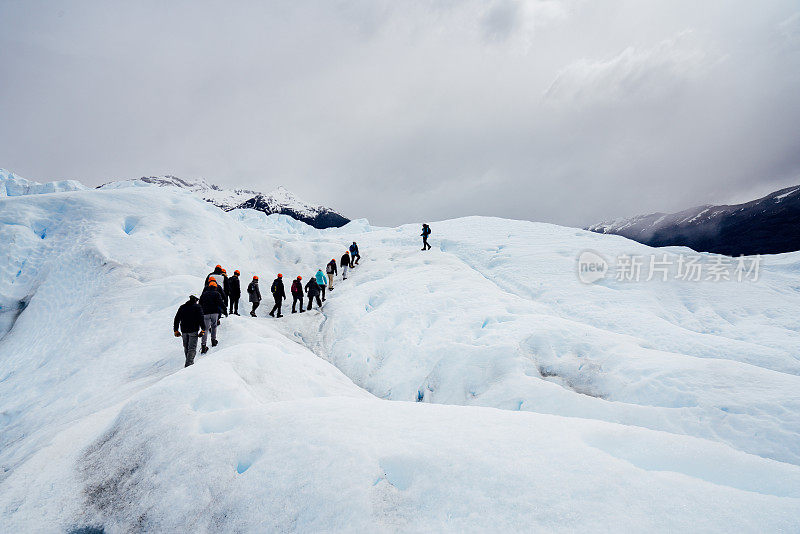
x,y
400,111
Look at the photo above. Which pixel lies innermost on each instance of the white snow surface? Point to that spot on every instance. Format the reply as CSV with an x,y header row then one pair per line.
x,y
12,185
547,404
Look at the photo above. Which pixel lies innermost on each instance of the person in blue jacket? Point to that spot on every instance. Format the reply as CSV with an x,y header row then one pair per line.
x,y
354,255
322,282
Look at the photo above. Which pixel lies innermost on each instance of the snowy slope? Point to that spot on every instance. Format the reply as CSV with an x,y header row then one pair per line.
x,y
632,407
281,201
497,317
12,185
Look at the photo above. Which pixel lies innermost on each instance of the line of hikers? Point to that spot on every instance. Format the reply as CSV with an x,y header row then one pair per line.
x,y
197,318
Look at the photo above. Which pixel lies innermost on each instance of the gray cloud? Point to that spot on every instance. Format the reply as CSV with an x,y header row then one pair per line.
x,y
569,112
501,19
634,74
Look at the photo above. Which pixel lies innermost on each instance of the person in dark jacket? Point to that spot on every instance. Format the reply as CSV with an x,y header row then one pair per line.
x,y
217,270
213,305
278,293
219,276
354,255
234,293
190,320
345,264
331,271
254,295
426,231
322,282
312,289
225,290
297,294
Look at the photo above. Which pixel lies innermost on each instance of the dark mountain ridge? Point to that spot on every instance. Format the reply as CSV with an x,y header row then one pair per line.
x,y
768,225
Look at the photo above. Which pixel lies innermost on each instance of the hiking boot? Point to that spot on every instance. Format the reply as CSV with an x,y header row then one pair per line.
x,y
214,342
203,349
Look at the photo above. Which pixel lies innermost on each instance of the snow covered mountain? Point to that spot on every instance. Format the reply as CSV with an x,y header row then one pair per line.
x,y
280,201
768,225
12,185
479,386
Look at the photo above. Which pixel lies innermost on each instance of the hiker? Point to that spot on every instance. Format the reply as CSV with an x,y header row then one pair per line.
x,y
254,295
234,292
426,231
297,294
345,264
354,255
322,282
213,305
312,289
331,270
217,271
190,320
278,293
225,290
218,275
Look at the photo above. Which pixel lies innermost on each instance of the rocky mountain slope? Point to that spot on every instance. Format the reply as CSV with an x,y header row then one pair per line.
x,y
280,201
768,225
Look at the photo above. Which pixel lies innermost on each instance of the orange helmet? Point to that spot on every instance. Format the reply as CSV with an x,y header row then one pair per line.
x,y
212,282
224,271
280,275
236,272
255,278
218,267
299,277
